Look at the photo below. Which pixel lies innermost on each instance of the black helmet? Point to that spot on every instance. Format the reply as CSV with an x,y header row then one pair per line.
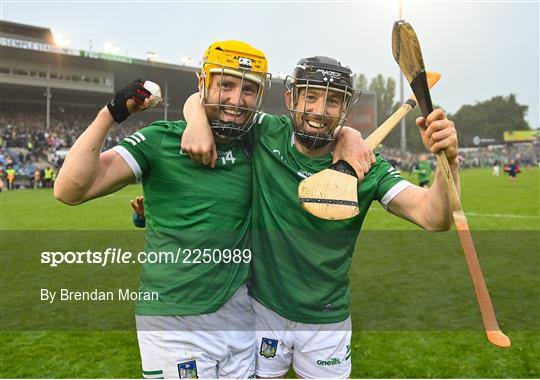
x,y
321,73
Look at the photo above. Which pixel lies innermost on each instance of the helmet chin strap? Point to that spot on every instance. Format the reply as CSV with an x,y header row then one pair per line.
x,y
228,130
312,141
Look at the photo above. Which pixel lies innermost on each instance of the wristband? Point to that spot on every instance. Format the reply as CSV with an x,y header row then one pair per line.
x,y
117,106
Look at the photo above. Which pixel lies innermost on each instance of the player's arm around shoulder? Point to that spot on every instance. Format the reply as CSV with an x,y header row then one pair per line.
x,y
430,208
197,140
352,148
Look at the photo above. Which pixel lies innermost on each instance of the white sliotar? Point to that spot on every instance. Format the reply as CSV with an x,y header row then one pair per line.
x,y
155,90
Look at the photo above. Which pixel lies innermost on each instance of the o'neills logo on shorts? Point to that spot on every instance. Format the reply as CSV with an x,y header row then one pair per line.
x,y
333,361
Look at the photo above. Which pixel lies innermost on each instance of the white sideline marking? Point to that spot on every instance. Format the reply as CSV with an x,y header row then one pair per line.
x,y
482,215
508,216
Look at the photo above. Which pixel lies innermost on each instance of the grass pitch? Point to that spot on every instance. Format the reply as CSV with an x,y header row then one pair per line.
x,y
412,302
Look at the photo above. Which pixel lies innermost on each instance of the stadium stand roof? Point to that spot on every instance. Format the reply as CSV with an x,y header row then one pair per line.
x,y
31,62
31,33
32,65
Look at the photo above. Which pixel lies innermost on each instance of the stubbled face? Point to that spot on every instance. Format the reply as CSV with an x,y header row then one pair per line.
x,y
230,100
315,117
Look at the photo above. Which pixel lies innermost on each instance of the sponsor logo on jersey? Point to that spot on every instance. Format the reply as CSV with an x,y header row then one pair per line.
x,y
268,347
304,174
188,370
333,361
328,307
278,154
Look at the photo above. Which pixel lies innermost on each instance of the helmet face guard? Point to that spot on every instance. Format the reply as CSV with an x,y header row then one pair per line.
x,y
241,60
320,74
234,129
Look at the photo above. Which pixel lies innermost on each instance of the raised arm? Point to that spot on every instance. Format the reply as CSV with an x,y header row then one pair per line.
x,y
198,140
430,208
87,174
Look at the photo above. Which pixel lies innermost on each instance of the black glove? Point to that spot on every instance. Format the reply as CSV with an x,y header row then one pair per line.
x,y
118,105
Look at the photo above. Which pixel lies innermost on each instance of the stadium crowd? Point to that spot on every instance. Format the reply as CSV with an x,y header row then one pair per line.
x,y
527,154
31,154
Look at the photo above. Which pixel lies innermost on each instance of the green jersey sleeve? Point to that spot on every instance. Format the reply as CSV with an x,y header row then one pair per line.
x,y
389,182
139,149
266,123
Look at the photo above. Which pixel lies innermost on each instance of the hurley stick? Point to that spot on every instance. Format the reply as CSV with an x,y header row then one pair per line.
x,y
407,53
332,193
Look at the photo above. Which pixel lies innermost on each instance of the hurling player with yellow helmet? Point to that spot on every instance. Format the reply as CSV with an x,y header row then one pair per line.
x,y
194,317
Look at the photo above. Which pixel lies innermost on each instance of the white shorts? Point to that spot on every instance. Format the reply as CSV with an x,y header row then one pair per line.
x,y
315,351
215,345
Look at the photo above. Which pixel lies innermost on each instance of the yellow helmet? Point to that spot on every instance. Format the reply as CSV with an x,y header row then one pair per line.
x,y
241,60
235,58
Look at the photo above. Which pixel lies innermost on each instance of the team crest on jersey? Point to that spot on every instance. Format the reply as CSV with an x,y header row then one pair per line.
x,y
188,370
268,347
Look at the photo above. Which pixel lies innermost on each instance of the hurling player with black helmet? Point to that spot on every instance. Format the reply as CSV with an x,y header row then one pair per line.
x,y
325,91
197,320
300,284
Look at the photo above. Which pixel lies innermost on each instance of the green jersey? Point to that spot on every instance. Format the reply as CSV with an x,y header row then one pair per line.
x,y
301,262
199,214
423,170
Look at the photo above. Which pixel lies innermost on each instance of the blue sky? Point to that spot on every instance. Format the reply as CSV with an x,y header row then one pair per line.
x,y
482,48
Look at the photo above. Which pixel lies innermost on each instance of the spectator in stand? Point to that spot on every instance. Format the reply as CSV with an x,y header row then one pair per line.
x,y
47,178
28,172
2,176
10,176
37,179
24,128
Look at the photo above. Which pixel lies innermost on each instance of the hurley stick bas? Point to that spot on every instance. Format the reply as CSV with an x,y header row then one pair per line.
x,y
332,193
408,55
